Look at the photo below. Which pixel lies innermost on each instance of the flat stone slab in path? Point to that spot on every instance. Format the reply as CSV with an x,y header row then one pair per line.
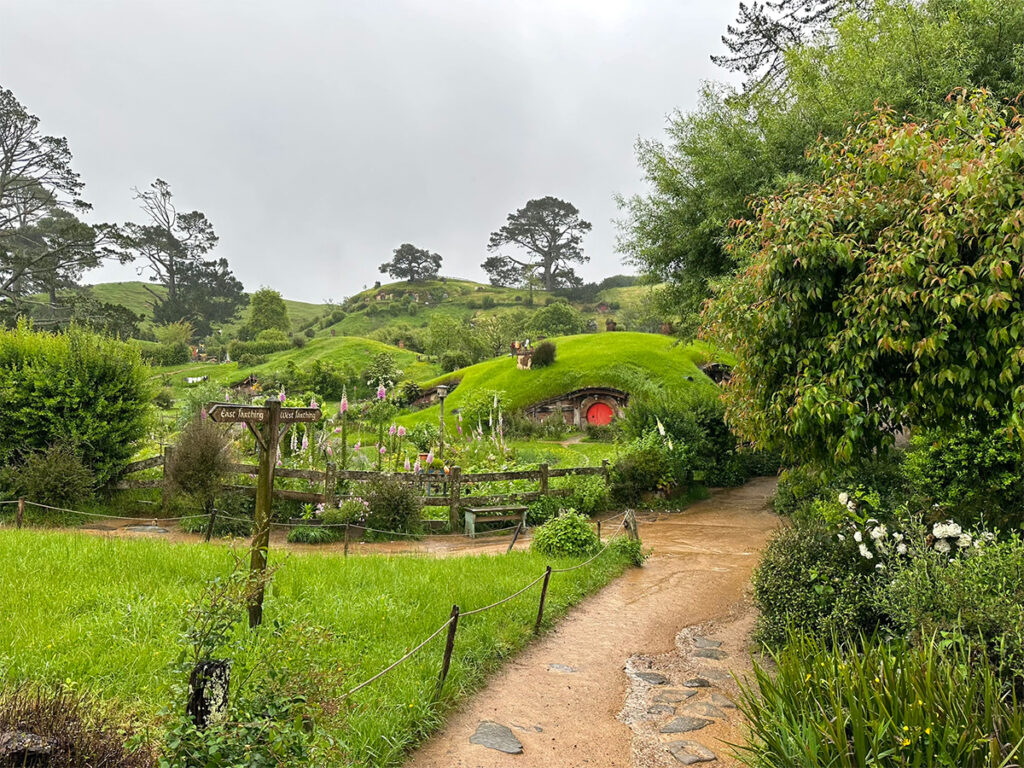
x,y
690,752
561,668
697,682
654,678
706,642
709,653
685,724
673,696
497,736
145,529
722,701
703,709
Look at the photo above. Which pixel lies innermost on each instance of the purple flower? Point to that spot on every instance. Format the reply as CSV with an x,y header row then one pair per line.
x,y
430,458
383,450
305,443
417,466
401,431
408,466
330,451
381,392
313,403
337,430
343,405
392,430
203,414
357,446
280,395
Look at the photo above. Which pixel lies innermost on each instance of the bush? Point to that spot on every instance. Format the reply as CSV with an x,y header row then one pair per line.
x,y
310,333
543,509
970,476
408,392
884,705
249,360
392,505
454,360
199,463
632,550
164,399
267,343
424,436
298,341
55,476
543,355
73,387
488,302
568,535
557,319
647,465
588,494
980,593
313,534
172,354
234,517
80,730
809,578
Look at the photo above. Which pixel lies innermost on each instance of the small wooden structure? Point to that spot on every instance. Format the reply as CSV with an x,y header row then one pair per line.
x,y
510,513
596,406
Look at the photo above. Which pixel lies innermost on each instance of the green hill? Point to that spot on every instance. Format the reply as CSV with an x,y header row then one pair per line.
x,y
633,362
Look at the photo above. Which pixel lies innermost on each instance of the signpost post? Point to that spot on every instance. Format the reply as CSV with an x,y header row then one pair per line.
x,y
265,422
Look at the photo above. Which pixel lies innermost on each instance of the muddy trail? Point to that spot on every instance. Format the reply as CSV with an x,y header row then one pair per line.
x,y
608,686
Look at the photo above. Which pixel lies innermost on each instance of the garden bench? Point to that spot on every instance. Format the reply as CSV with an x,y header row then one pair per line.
x,y
493,515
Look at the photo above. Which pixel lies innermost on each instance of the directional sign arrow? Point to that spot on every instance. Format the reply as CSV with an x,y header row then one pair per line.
x,y
259,414
290,415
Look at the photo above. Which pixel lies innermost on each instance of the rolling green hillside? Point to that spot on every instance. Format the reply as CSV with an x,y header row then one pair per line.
x,y
633,362
340,350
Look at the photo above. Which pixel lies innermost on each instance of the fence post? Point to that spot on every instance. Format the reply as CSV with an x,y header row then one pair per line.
x,y
168,455
515,535
598,531
631,525
607,474
543,597
329,484
544,479
454,490
449,646
210,523
19,516
346,539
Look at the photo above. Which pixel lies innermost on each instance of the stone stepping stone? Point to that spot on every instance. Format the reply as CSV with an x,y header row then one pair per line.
x,y
685,724
654,678
690,752
722,701
145,529
706,642
703,709
661,709
98,527
498,737
534,728
673,696
565,668
709,653
697,682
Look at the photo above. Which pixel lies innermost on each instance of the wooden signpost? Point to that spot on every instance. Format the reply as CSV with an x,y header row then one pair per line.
x,y
265,422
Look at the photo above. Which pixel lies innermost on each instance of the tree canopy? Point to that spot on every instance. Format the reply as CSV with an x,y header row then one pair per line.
x,y
888,293
412,263
267,310
548,233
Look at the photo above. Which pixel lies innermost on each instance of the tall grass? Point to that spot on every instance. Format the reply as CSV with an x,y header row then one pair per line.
x,y
885,705
107,614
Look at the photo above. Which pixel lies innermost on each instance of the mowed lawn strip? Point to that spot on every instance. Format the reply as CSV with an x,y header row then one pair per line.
x,y
107,614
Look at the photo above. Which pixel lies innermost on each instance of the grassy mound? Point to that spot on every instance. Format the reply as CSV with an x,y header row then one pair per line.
x,y
637,363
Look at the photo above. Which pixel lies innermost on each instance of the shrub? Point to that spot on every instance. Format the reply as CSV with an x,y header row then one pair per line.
x,y
55,476
408,392
199,463
885,704
454,360
194,401
80,730
392,505
568,535
980,593
310,333
588,495
647,465
557,319
543,355
234,517
811,579
424,436
312,534
75,387
632,550
164,399
480,407
543,509
488,302
172,354
352,511
298,341
249,360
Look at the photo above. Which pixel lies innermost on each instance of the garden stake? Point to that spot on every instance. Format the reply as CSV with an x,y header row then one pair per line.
x,y
20,515
598,531
515,535
449,646
346,539
543,596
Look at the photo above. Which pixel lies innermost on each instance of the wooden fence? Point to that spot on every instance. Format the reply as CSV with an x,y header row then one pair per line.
x,y
448,489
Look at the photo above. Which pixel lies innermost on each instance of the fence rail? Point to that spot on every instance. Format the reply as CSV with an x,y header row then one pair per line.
x,y
456,488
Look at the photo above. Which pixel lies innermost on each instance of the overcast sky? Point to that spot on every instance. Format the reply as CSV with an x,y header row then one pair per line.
x,y
318,135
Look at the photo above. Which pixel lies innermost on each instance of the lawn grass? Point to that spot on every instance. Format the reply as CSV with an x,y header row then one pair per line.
x,y
106,614
633,362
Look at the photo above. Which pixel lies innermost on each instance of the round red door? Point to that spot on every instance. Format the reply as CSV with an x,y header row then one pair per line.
x,y
600,414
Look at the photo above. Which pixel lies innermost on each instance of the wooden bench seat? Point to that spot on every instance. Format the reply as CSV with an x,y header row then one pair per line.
x,y
493,515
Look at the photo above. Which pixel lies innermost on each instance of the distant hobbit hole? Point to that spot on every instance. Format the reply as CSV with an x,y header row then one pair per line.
x,y
593,406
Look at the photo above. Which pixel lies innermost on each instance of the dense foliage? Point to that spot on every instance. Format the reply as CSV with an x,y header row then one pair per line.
x,y
74,387
54,476
567,535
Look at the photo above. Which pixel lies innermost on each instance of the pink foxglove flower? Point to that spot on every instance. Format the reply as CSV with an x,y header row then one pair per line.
x,y
392,430
417,466
383,450
343,405
281,396
305,443
203,414
357,446
430,458
408,466
330,451
401,431
381,392
313,403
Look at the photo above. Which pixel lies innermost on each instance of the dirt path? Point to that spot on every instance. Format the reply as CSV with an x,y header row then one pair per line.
x,y
565,698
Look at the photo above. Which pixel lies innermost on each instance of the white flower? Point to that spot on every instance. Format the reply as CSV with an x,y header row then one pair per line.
x,y
942,546
844,498
858,537
841,537
988,536
865,552
851,505
878,532
879,567
964,540
897,535
946,530
901,548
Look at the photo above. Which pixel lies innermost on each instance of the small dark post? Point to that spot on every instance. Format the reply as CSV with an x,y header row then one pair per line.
x,y
515,535
543,597
604,469
19,516
346,539
598,531
455,489
208,691
449,646
631,526
544,479
209,525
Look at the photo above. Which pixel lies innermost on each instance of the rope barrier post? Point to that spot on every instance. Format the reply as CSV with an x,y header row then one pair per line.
x,y
346,539
209,525
605,472
544,479
598,531
19,516
449,646
543,597
515,535
455,489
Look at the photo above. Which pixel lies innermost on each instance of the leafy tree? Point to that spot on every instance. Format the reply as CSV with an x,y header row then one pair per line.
x,y
383,370
738,145
558,319
550,231
504,273
496,331
44,246
267,310
174,246
412,263
886,294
